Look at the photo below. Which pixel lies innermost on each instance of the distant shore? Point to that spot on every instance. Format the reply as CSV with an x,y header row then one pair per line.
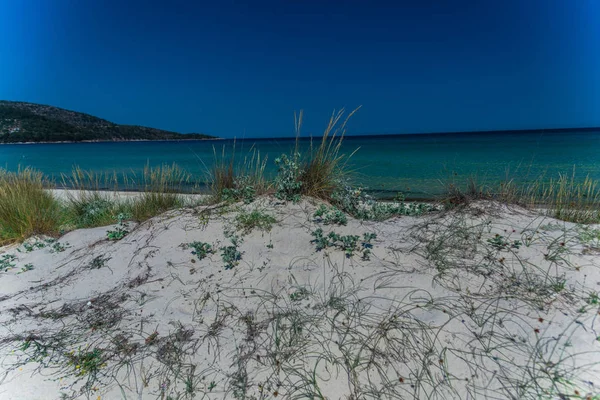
x,y
112,141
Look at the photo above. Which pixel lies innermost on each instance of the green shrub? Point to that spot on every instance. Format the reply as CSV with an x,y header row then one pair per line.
x,y
288,186
242,190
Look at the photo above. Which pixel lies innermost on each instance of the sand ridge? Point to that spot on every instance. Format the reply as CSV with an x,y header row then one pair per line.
x,y
486,302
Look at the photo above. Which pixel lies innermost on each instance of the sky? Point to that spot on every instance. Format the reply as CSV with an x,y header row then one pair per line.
x,y
241,69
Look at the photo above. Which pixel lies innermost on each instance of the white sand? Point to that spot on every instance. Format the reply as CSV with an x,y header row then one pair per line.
x,y
436,312
65,194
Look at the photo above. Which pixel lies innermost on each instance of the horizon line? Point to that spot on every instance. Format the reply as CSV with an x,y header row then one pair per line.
x,y
502,131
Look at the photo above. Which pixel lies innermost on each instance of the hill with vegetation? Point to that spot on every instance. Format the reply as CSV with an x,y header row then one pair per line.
x,y
29,122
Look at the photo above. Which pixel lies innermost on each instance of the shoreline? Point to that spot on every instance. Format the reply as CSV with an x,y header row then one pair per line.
x,y
64,194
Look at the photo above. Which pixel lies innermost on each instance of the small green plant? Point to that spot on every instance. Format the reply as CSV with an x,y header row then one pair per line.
x,y
200,249
28,247
120,230
366,245
556,251
348,243
98,262
593,299
39,349
559,284
300,294
7,262
58,247
87,363
231,255
330,215
499,242
25,268
247,221
589,236
288,185
321,242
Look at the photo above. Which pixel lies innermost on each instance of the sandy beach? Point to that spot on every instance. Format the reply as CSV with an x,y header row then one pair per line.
x,y
65,194
489,301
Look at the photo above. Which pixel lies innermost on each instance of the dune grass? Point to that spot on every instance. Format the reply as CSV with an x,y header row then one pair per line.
x,y
237,181
26,208
321,172
160,191
325,168
566,197
90,206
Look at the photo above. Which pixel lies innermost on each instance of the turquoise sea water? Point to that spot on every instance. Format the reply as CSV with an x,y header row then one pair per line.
x,y
386,164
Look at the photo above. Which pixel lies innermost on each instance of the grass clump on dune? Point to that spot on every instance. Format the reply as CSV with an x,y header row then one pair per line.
x,y
160,191
26,208
247,221
90,206
243,181
325,169
567,197
322,171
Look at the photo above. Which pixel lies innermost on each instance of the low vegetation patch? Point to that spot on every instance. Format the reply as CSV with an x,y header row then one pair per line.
x,y
499,242
330,215
231,255
234,181
200,249
247,221
347,243
567,197
360,205
120,231
7,262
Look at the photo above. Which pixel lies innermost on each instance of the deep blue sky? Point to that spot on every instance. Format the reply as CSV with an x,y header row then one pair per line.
x,y
242,68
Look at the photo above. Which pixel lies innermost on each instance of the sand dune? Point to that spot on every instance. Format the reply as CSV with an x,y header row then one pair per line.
x,y
486,302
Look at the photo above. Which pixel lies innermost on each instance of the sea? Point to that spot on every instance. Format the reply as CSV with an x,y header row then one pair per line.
x,y
418,165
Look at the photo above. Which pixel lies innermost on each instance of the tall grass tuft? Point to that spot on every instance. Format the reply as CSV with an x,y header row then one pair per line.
x,y
26,208
572,200
244,180
161,188
325,169
567,197
222,174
